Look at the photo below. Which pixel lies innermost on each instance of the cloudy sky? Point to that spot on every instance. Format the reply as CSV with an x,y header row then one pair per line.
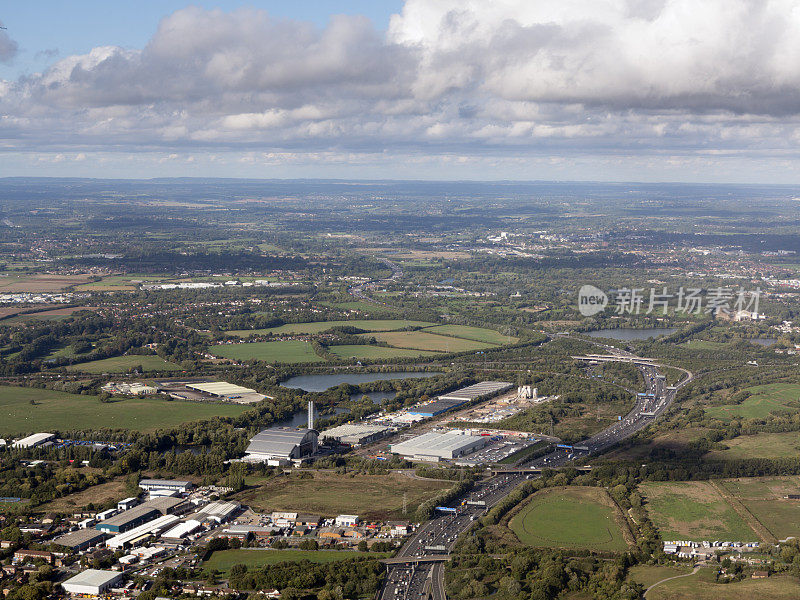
x,y
646,90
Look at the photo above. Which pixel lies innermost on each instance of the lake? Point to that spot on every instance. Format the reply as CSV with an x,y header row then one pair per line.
x,y
628,333
320,383
763,341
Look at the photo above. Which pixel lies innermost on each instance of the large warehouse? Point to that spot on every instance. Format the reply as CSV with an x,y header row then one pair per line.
x,y
447,402
81,539
434,446
356,434
34,440
279,445
479,391
91,582
227,391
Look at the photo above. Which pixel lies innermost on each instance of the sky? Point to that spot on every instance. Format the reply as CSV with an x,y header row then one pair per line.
x,y
636,90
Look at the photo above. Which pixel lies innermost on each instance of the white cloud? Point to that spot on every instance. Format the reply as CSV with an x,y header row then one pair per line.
x,y
449,78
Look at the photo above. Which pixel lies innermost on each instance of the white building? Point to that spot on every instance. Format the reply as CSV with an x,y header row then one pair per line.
x,y
34,440
347,520
434,446
171,485
92,582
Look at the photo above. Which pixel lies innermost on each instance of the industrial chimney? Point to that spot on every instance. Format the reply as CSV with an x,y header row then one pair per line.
x,y
311,414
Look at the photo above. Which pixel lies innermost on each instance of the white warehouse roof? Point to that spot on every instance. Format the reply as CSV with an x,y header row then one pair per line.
x,y
153,527
34,440
91,581
448,445
182,529
220,388
484,388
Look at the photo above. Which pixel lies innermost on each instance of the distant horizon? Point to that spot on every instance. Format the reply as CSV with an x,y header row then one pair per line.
x,y
388,180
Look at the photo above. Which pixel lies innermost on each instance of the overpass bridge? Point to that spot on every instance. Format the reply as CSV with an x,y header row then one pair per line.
x,y
416,560
533,470
636,360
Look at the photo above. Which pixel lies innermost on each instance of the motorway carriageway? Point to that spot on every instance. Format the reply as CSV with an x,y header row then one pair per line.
x,y
425,581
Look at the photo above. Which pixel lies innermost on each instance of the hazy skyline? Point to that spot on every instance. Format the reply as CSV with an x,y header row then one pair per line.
x,y
646,90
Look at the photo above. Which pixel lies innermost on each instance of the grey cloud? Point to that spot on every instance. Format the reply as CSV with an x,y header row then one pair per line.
x,y
574,76
8,47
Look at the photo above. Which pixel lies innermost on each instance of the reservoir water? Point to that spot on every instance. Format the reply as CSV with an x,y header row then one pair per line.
x,y
628,333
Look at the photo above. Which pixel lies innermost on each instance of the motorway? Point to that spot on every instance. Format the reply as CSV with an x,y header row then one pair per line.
x,y
439,535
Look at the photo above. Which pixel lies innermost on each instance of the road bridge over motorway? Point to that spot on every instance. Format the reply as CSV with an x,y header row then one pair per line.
x,y
408,560
531,470
636,360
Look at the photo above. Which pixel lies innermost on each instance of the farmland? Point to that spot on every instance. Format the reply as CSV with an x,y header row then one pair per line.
x,y
574,517
60,411
693,510
288,351
478,334
223,560
375,352
764,498
123,364
765,399
762,445
329,494
701,586
421,340
320,326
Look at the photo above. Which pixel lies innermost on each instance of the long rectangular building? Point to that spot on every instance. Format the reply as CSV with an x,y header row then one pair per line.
x,y
129,519
447,402
434,446
484,389
355,434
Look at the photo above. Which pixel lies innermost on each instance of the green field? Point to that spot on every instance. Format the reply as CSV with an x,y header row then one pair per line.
x,y
693,510
421,340
222,560
319,326
61,411
375,352
764,498
760,445
573,517
123,364
706,345
478,334
701,586
647,575
330,494
289,351
767,398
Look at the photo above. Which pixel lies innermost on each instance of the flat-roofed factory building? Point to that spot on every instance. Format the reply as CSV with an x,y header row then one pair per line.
x,y
34,440
435,446
227,391
81,539
447,402
91,582
172,485
355,434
